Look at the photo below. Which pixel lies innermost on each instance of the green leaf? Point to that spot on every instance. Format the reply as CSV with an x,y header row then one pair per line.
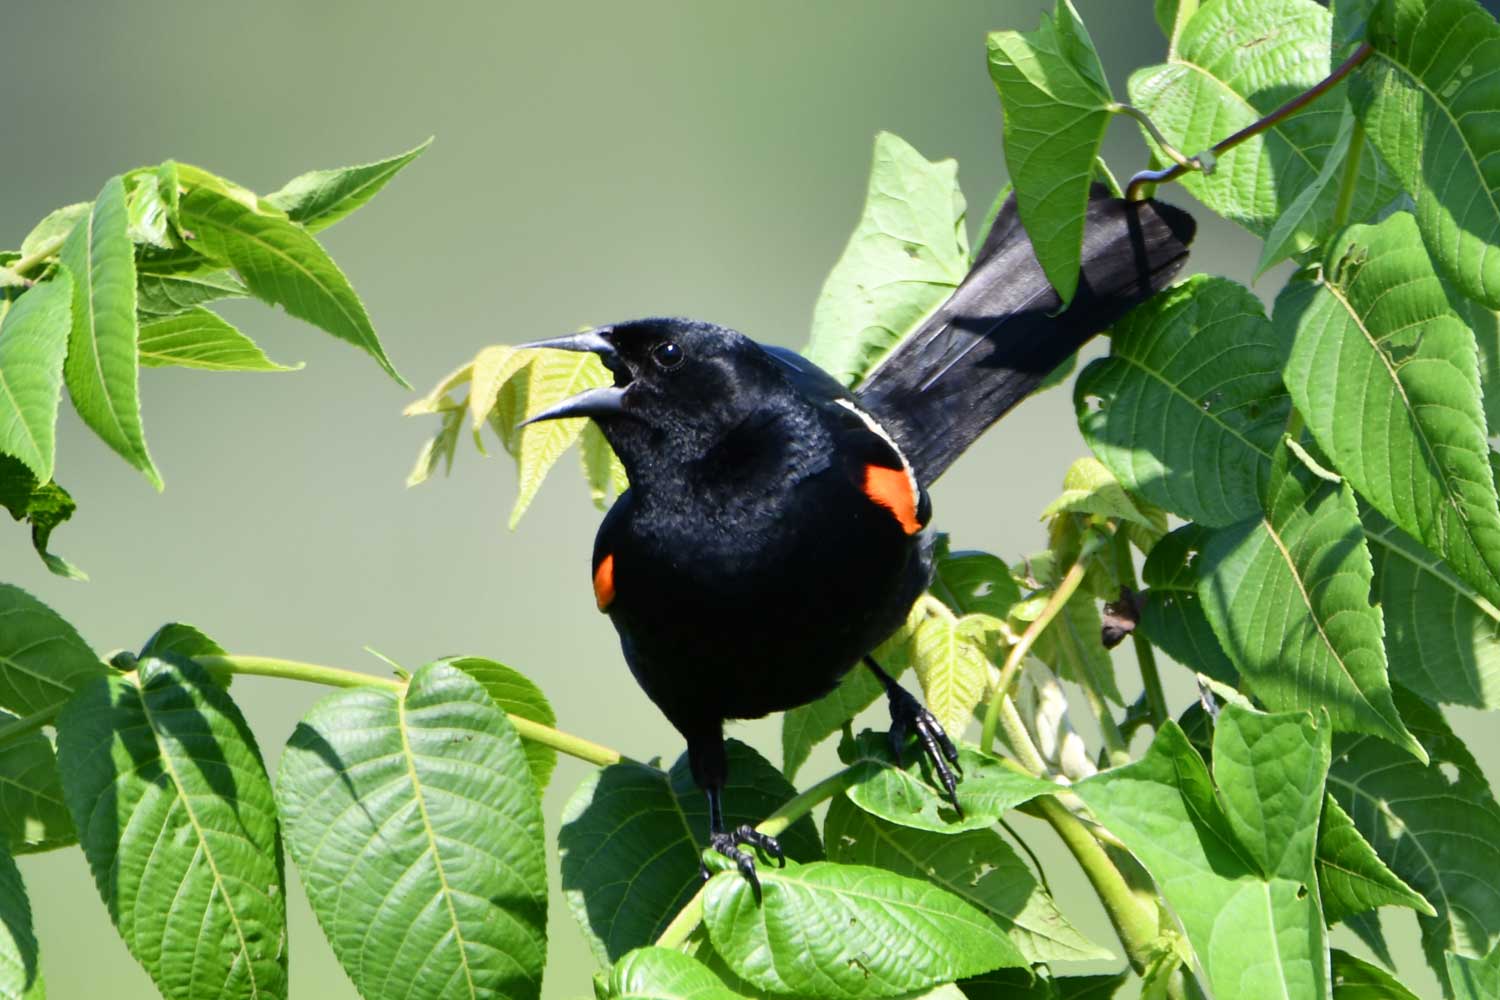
x,y
1351,877
949,658
1441,637
1235,62
1356,979
20,967
1427,98
1485,325
33,340
281,263
197,338
516,694
665,974
1270,771
1057,106
836,931
631,838
1173,617
1188,406
909,795
907,255
493,367
43,505
977,866
1028,984
1072,646
42,659
417,830
602,469
175,815
1255,936
805,726
1300,228
1437,827
33,815
552,377
439,448
1387,379
320,198
974,583
1288,595
148,213
101,369
54,227
170,294
1475,978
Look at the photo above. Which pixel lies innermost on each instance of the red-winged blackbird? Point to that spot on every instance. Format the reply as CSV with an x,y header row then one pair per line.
x,y
772,534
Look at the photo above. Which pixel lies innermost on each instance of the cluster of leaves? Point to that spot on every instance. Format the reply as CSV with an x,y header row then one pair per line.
x,y
99,289
1332,578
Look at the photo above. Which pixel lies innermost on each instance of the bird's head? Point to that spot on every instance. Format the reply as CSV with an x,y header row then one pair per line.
x,y
680,385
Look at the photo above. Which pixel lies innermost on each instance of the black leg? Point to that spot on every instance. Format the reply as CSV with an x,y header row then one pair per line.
x,y
710,768
908,715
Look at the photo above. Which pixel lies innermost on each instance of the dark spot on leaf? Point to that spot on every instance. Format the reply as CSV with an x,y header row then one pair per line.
x,y
1301,892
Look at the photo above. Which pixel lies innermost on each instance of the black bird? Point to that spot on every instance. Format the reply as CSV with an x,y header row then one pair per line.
x,y
772,534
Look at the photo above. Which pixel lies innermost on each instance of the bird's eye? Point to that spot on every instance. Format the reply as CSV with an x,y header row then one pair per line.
x,y
668,355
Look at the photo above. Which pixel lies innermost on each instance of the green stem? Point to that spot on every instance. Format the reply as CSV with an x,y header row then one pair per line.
x,y
1174,154
1018,740
314,673
1153,177
1060,596
1349,182
38,256
1145,656
1134,919
691,915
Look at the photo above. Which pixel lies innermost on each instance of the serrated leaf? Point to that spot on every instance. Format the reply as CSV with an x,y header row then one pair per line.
x,y
1387,380
1288,595
20,966
1484,323
175,815
950,662
1356,979
1057,106
198,338
417,830
43,505
1255,936
665,974
33,815
805,726
438,401
320,198
551,377
1172,616
33,341
1300,228
516,694
837,931
1441,637
492,368
439,448
101,369
42,659
1427,98
974,583
281,263
1236,61
147,210
1437,827
977,866
909,795
906,256
170,294
1475,978
631,837
602,469
55,226
1187,408
1351,876
1089,488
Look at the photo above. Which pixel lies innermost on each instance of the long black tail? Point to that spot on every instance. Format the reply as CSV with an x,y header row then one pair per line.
x,y
997,337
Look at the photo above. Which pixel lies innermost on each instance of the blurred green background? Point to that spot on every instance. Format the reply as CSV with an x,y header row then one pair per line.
x,y
592,163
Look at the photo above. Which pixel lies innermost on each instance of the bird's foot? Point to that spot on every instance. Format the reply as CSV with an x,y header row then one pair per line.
x,y
729,844
908,715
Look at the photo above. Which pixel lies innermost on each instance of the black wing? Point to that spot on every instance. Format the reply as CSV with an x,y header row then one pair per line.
x,y
997,337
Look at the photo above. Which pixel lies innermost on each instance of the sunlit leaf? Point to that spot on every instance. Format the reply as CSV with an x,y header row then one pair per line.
x,y
517,695
198,338
42,659
320,198
551,377
33,340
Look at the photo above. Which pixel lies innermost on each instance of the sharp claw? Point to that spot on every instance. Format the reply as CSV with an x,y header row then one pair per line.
x,y
728,844
906,714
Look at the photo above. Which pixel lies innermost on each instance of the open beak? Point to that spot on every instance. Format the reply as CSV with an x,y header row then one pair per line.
x,y
604,401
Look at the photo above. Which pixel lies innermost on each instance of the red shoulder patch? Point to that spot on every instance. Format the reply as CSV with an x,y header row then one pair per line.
x,y
604,581
892,489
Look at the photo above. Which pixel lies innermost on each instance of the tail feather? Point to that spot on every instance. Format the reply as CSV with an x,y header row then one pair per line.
x,y
999,335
